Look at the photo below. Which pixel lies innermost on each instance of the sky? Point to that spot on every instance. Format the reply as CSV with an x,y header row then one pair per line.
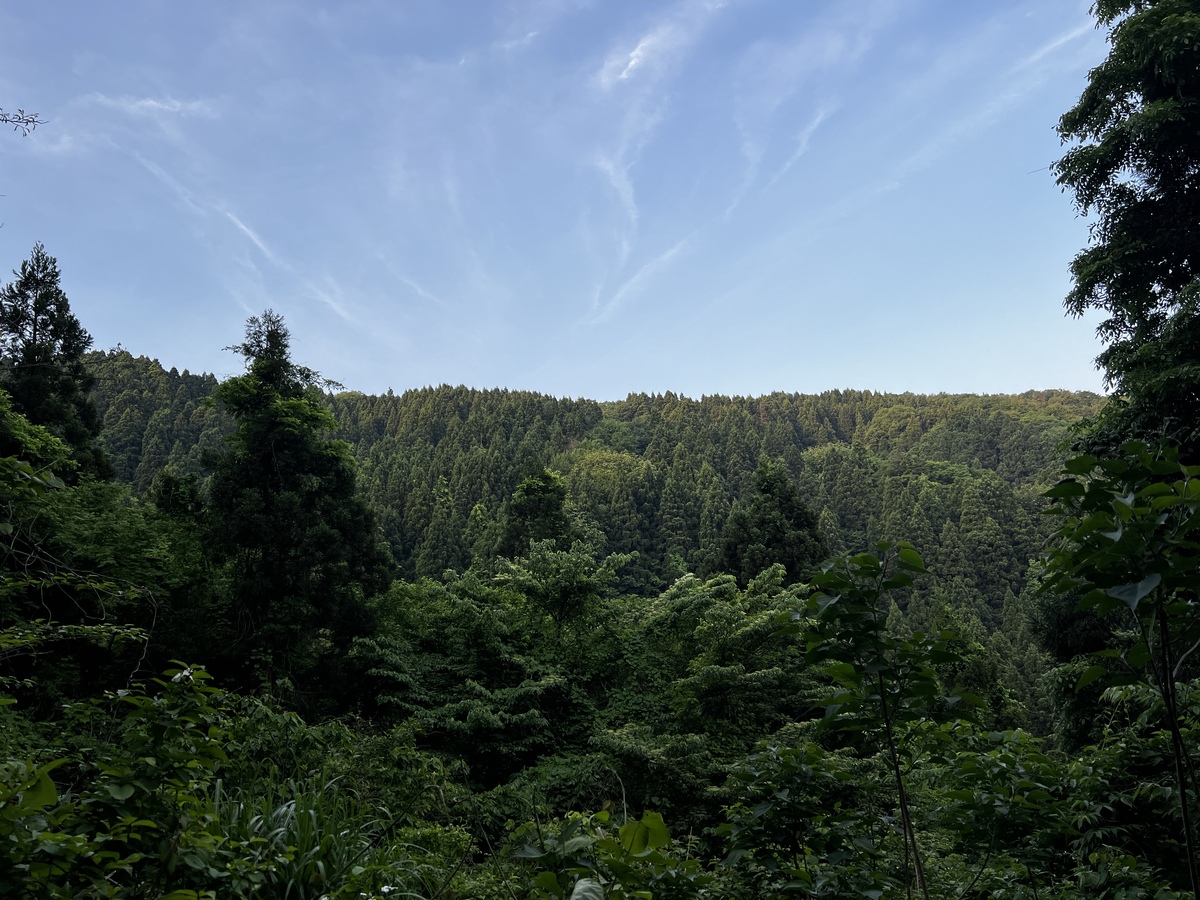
x,y
578,198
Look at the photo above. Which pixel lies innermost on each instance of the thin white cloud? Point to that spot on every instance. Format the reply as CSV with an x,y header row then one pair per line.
x,y
165,178
772,73
256,240
643,64
420,291
152,106
332,296
646,49
752,152
802,142
1021,80
462,222
59,143
617,176
637,282
661,46
515,44
1062,40
621,64
630,95
409,282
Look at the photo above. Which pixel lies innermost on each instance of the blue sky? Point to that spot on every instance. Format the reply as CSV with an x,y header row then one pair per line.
x,y
581,198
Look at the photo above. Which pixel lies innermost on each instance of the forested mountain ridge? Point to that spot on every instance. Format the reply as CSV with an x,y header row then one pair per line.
x,y
151,417
660,648
657,474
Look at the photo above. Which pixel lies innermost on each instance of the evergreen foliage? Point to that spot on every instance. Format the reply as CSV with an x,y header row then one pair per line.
x,y
535,512
42,347
530,688
440,467
549,703
154,419
774,526
298,549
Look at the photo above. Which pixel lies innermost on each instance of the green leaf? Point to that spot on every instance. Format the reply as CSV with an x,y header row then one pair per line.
x,y
120,791
868,562
1065,489
529,852
548,882
635,838
41,793
1080,465
910,560
1138,655
587,889
577,843
1090,674
657,828
1092,599
1132,594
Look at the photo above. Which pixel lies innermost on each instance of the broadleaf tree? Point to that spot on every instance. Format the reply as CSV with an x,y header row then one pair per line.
x,y
1128,543
1134,164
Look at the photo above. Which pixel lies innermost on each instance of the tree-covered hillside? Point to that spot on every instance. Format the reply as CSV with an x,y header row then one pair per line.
x,y
153,418
658,475
490,644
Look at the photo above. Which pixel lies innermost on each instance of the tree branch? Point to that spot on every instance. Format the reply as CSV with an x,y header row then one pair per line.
x,y
21,121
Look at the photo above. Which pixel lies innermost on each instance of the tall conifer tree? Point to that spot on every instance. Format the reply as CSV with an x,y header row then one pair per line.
x,y
41,359
299,547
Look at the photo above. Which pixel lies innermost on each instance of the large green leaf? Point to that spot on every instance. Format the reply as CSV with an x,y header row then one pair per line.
x,y
1090,674
41,792
1131,594
587,889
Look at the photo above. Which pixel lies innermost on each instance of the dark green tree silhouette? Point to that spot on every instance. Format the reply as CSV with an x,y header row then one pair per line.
x,y
773,527
536,512
299,547
1134,165
41,360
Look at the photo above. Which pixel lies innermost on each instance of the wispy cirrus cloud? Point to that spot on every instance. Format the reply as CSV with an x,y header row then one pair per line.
x,y
798,76
514,44
657,50
466,188
632,87
1005,91
329,292
803,139
255,240
389,265
637,282
1053,46
156,107
254,282
420,290
623,64
181,193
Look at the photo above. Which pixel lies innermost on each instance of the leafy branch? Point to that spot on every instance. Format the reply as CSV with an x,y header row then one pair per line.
x,y
21,121
1130,540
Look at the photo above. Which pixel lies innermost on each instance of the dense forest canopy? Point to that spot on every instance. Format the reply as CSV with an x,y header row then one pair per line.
x,y
262,639
654,475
